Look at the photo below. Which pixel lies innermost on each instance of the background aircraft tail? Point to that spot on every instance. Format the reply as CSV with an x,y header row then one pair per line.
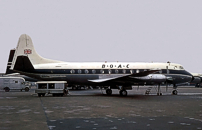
x,y
25,56
10,59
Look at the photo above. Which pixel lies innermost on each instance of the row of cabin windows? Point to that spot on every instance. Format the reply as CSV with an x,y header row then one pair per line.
x,y
102,71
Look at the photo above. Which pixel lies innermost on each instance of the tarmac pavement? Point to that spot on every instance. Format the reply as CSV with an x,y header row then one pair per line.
x,y
90,109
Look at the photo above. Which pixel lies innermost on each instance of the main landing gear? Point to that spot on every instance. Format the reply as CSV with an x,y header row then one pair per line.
x,y
159,91
122,92
109,91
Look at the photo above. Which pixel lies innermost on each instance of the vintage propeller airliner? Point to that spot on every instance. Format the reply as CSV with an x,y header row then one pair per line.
x,y
110,75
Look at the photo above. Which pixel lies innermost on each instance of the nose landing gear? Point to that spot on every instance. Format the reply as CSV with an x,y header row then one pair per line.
x,y
174,92
123,92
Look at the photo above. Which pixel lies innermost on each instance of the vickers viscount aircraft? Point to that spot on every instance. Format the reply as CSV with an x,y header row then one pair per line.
x,y
111,75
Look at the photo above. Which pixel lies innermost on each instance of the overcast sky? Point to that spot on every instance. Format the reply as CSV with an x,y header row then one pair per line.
x,y
106,30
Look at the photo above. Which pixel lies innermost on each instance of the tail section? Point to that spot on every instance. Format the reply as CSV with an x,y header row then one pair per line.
x,y
26,57
10,59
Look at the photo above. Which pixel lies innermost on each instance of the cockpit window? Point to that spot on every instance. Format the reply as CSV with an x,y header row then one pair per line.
x,y
181,67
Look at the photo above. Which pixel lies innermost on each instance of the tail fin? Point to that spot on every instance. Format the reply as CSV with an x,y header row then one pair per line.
x,y
25,48
10,59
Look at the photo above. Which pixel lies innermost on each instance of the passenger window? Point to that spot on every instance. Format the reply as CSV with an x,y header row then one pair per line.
x,y
93,71
102,71
79,71
116,71
131,71
86,71
110,71
72,71
124,71
16,82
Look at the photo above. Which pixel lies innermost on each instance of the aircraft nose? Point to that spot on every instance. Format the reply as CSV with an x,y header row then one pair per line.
x,y
189,74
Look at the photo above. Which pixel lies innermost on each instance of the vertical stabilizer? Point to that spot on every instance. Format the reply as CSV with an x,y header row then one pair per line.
x,y
25,48
10,59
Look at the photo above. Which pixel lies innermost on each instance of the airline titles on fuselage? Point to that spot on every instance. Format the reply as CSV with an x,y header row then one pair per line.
x,y
115,66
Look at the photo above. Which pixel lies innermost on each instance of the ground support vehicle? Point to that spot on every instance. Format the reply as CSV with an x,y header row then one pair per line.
x,y
56,88
13,83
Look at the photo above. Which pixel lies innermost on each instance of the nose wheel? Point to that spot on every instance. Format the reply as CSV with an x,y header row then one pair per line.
x,y
123,92
174,92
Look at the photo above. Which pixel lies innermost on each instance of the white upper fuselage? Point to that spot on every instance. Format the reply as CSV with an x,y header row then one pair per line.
x,y
108,65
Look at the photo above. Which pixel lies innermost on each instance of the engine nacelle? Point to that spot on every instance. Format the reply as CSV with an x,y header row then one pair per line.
x,y
157,78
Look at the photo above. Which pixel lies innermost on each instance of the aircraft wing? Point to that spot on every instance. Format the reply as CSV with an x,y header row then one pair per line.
x,y
13,74
124,78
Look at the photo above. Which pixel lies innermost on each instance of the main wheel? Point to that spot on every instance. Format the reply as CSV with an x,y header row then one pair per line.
x,y
108,91
7,89
78,87
174,92
26,89
159,94
123,92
